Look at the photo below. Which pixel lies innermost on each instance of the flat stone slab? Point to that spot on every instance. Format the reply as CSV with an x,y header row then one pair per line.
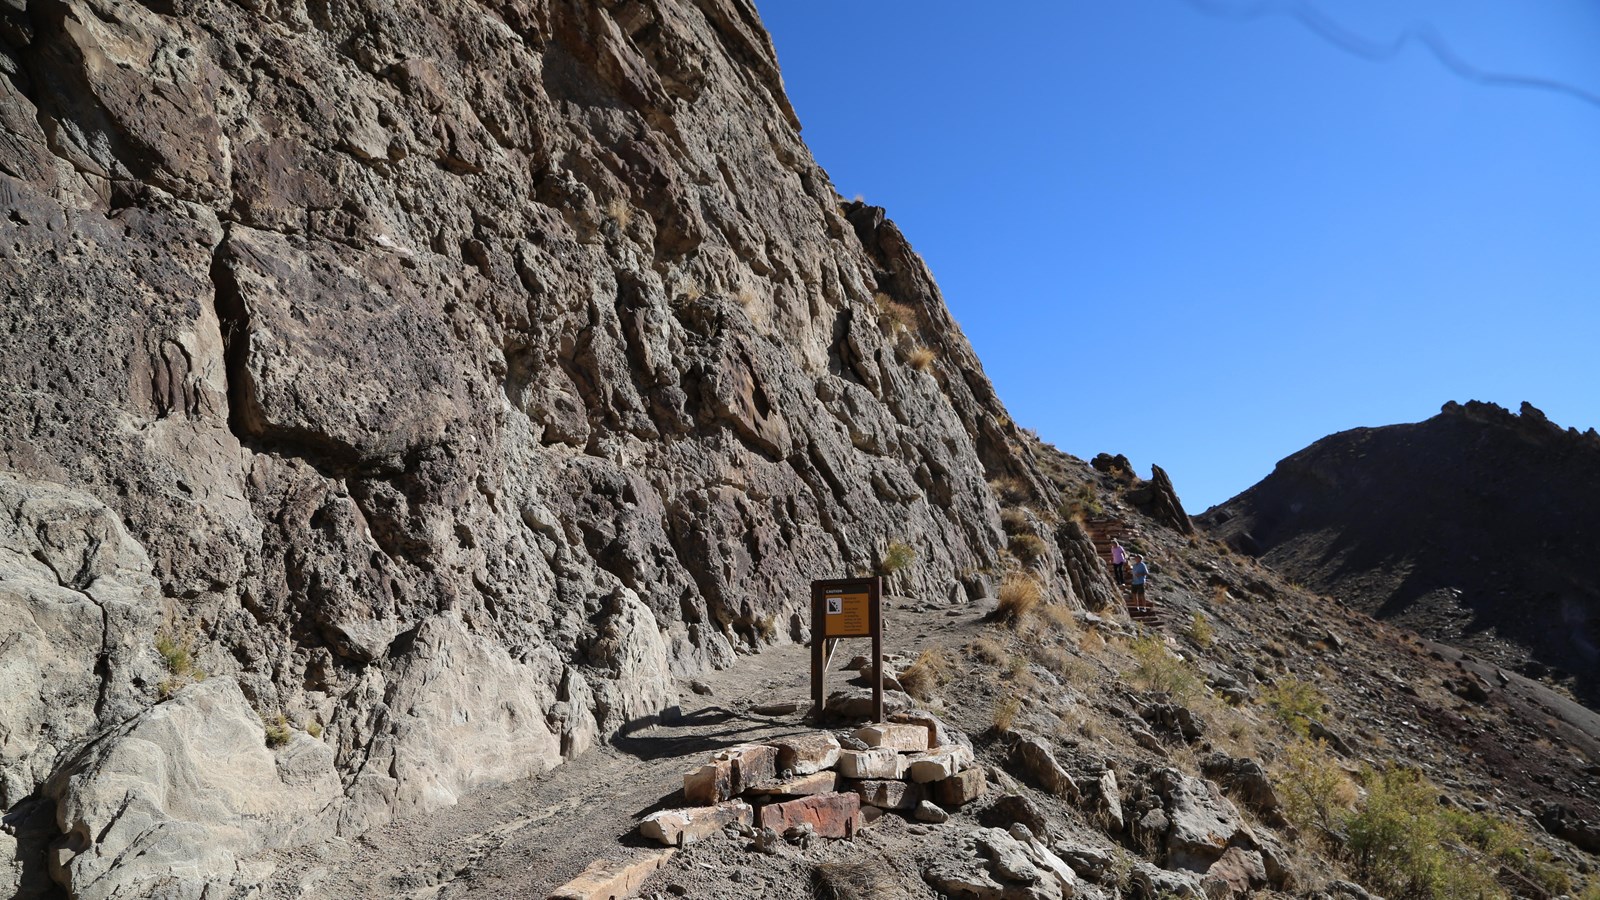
x,y
803,786
959,789
904,738
806,754
877,762
829,815
890,794
681,827
607,879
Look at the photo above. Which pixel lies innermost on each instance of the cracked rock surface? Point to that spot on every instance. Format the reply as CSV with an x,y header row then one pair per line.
x,y
443,379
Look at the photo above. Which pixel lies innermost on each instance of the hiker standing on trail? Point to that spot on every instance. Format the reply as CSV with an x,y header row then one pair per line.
x,y
1119,563
1140,573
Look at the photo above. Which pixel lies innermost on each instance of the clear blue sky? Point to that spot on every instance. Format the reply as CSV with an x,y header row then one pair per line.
x,y
1206,242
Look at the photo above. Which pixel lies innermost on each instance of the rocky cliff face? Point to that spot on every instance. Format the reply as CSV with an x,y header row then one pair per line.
x,y
1475,527
422,389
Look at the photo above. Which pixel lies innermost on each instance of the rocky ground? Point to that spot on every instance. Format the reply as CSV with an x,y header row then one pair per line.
x,y
1192,717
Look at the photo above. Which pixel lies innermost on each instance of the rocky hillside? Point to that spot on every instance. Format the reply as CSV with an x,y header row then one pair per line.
x,y
1475,527
402,397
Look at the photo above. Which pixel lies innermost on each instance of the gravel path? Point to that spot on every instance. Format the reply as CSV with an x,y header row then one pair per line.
x,y
526,838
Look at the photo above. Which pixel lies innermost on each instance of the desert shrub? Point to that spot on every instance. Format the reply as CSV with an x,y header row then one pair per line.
x,y
1316,793
278,731
1058,617
926,674
620,212
987,651
314,729
1294,703
1016,666
921,358
1092,643
1085,504
856,879
897,556
894,315
1019,596
1157,670
1010,489
1397,846
746,296
1200,629
1029,548
1506,845
177,656
1064,665
1005,712
1013,520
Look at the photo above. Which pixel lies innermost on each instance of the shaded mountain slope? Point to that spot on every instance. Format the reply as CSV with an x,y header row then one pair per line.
x,y
1476,527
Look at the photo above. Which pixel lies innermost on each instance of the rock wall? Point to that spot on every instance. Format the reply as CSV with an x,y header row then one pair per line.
x,y
443,379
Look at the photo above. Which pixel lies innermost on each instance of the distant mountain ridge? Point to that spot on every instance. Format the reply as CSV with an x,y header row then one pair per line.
x,y
1477,527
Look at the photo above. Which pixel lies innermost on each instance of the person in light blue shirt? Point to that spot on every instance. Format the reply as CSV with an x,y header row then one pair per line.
x,y
1141,573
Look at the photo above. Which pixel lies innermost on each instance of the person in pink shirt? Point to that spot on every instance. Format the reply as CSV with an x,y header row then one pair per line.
x,y
1119,562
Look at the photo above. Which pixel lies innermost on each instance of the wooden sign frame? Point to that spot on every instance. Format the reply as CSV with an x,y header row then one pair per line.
x,y
848,595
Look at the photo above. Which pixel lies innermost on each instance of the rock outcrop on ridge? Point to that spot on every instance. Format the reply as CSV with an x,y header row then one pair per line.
x,y
401,396
1475,527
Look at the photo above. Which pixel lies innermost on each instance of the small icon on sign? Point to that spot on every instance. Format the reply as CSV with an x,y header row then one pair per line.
x,y
835,605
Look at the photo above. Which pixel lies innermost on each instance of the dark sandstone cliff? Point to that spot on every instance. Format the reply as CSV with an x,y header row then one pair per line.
x,y
1476,527
445,380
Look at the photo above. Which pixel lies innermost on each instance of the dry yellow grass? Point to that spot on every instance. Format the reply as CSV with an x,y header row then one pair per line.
x,y
921,358
620,212
894,315
986,650
1005,712
1019,596
745,297
926,674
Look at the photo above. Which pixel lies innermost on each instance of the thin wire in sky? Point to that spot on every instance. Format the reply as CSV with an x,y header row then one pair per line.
x,y
1384,51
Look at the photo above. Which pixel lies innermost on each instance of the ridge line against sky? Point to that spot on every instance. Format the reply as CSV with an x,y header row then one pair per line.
x,y
1207,244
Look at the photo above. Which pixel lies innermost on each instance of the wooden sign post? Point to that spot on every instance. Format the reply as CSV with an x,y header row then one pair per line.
x,y
846,608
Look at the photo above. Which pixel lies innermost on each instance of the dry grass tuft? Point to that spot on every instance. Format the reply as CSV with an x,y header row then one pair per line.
x,y
1019,596
1014,520
746,296
1011,489
1092,643
987,650
1005,712
620,212
894,315
856,879
1058,617
921,358
926,674
278,731
1029,548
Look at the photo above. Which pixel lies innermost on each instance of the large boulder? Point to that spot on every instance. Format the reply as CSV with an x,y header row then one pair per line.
x,y
177,801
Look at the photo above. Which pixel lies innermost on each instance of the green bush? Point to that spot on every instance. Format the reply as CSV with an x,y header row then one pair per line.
x,y
1294,703
1157,670
1200,630
898,555
1400,843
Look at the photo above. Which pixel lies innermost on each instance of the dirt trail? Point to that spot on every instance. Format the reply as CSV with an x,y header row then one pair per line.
x,y
526,838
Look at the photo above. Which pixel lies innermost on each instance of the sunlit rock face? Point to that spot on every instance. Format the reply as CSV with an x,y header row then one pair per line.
x,y
441,379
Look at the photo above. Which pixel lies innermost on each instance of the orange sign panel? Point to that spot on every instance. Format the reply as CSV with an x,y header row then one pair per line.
x,y
846,615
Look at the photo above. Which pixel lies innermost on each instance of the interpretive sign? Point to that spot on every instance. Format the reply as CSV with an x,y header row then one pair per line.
x,y
846,608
